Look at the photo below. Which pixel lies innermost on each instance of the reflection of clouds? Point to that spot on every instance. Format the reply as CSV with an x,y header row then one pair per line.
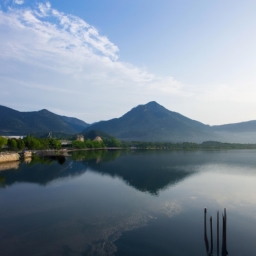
x,y
230,169
237,200
170,208
129,222
232,187
108,228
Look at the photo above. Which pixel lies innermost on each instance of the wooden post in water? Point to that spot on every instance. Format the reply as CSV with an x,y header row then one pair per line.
x,y
211,235
205,233
224,234
218,233
225,214
224,251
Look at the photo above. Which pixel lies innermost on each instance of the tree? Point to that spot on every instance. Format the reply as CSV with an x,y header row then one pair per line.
x,y
20,144
32,143
12,144
3,141
112,143
54,144
78,144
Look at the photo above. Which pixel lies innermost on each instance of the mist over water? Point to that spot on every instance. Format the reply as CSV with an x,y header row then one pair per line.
x,y
128,203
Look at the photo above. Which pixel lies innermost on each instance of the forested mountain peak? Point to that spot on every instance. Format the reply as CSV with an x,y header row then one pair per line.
x,y
13,122
153,122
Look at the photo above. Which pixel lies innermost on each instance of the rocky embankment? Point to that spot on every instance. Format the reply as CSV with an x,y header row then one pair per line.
x,y
9,157
13,156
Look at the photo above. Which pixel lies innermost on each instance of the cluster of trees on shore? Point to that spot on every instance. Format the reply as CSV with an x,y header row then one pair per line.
x,y
207,145
113,143
3,141
30,142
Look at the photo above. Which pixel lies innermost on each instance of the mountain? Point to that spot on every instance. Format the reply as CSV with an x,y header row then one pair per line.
x,y
249,126
149,122
244,132
13,122
153,122
75,123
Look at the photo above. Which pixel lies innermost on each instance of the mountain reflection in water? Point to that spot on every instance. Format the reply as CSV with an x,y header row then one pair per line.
x,y
146,172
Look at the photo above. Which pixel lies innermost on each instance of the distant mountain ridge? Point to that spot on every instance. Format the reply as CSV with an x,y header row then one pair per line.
x,y
153,122
249,126
13,122
149,122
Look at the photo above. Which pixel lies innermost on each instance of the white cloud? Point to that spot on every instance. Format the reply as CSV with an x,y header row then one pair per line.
x,y
20,2
67,65
58,61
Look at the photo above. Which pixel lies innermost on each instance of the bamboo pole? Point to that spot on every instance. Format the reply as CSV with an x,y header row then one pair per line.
x,y
211,235
205,232
218,242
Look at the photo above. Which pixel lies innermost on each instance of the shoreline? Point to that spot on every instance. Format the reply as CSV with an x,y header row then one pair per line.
x,y
14,156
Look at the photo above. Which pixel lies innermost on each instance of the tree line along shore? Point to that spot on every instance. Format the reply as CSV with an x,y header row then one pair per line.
x,y
10,147
32,143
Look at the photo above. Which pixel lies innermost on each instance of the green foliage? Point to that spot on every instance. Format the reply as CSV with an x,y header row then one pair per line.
x,y
98,144
78,144
33,143
20,144
12,144
208,145
3,141
88,144
54,143
16,144
56,135
36,143
112,143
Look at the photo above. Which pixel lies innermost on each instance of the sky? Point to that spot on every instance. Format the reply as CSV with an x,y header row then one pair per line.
x,y
97,59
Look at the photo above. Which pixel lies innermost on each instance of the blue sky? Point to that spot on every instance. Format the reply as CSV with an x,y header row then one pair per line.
x,y
95,60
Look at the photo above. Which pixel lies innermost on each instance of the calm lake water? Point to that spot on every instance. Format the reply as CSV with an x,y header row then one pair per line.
x,y
129,203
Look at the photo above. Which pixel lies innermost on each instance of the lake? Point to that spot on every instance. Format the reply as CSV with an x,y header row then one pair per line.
x,y
130,203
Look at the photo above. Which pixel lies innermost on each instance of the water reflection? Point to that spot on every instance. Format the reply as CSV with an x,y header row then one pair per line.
x,y
9,166
145,172
95,207
38,170
97,156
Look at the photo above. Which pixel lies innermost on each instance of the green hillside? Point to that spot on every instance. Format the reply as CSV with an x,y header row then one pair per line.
x,y
153,122
13,122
